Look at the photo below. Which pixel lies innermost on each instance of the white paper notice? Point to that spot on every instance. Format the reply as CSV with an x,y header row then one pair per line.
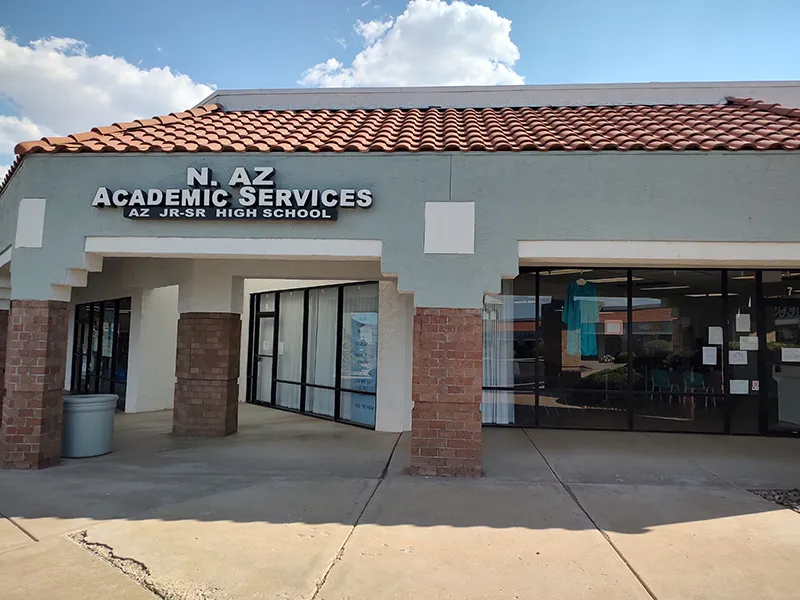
x,y
709,355
740,386
737,357
715,336
743,323
280,347
790,354
614,327
748,342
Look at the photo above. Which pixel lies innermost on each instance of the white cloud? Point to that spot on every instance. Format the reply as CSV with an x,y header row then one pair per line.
x,y
434,42
59,88
3,170
14,130
372,31
341,42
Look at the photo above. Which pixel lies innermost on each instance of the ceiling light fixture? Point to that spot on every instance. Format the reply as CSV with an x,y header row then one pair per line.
x,y
613,280
665,287
566,272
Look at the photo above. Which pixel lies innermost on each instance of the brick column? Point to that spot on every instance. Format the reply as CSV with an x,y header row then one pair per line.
x,y
3,340
36,356
446,389
207,373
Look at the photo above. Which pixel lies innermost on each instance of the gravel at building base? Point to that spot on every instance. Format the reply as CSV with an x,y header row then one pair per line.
x,y
787,498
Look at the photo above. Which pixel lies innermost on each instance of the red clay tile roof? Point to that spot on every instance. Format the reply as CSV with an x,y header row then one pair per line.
x,y
741,124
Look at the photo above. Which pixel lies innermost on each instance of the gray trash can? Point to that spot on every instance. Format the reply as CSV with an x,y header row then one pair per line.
x,y
88,427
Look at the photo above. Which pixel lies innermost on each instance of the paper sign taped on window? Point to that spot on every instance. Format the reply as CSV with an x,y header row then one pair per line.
x,y
737,357
740,386
715,336
790,354
748,342
709,355
743,323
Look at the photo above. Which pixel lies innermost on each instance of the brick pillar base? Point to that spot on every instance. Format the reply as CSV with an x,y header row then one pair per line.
x,y
207,373
446,389
3,340
36,356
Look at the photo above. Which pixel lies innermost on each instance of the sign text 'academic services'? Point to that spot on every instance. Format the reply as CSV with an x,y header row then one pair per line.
x,y
254,197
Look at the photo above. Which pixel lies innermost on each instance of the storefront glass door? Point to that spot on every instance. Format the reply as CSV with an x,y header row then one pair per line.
x,y
782,364
100,348
315,351
266,333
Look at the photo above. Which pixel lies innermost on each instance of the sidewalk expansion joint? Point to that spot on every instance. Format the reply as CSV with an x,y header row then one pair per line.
x,y
340,553
605,535
20,527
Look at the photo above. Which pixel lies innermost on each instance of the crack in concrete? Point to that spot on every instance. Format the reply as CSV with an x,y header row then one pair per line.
x,y
139,572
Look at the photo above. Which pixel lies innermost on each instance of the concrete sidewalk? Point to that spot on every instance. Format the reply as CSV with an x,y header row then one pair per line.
x,y
294,507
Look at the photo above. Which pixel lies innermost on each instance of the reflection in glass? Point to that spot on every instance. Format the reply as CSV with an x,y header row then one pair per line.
x,y
359,352
359,340
677,352
287,395
100,348
359,408
315,389
782,321
323,305
743,336
290,337
583,347
264,379
509,353
267,302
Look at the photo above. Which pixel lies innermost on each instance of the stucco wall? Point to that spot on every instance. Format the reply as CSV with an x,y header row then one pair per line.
x,y
156,350
689,196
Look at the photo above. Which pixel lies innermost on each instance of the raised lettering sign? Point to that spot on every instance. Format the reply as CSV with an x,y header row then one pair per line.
x,y
254,196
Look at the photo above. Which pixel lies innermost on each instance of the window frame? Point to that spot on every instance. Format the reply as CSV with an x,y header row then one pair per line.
x,y
252,374
630,392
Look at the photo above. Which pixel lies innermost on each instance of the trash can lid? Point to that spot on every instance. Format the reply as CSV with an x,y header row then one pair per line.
x,y
89,399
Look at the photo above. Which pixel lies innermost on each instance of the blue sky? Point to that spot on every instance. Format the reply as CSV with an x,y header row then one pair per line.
x,y
274,43
269,43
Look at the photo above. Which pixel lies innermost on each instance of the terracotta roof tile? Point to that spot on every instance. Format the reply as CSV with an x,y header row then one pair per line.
x,y
741,124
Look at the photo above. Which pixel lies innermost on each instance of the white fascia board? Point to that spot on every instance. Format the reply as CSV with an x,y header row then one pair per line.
x,y
664,254
786,93
191,247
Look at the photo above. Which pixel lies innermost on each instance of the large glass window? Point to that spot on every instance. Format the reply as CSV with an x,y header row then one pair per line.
x,y
743,352
290,349
781,354
584,348
509,353
678,350
326,351
100,348
323,305
650,349
359,353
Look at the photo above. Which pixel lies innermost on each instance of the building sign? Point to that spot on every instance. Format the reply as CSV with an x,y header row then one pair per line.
x,y
253,196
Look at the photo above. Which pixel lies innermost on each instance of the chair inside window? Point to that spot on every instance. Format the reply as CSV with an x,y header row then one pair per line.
x,y
695,383
661,384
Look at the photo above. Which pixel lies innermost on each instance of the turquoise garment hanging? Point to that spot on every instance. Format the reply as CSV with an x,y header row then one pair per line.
x,y
581,314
